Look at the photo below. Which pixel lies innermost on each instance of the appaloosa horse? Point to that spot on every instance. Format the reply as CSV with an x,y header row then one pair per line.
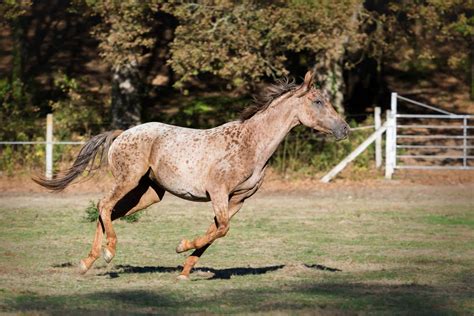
x,y
224,165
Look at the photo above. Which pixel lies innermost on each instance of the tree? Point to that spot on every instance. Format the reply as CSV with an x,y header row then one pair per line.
x,y
243,42
124,35
431,36
13,94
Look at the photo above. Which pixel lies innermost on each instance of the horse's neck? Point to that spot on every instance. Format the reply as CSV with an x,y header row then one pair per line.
x,y
269,128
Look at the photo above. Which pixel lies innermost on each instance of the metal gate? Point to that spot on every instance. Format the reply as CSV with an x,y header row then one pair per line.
x,y
427,141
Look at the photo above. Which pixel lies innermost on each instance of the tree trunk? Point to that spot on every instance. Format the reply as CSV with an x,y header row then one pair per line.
x,y
329,69
127,94
329,74
472,71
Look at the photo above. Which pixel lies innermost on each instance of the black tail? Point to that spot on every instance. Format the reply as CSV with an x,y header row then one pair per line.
x,y
99,143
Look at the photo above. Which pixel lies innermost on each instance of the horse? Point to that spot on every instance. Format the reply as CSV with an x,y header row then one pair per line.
x,y
224,165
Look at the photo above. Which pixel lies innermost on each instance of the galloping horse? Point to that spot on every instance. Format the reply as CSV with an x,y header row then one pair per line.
x,y
224,165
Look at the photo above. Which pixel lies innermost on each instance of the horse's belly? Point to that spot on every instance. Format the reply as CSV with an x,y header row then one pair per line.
x,y
185,186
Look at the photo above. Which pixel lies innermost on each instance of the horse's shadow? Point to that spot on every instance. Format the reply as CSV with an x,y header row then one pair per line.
x,y
213,273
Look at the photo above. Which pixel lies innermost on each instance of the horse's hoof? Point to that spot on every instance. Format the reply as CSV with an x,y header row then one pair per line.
x,y
82,267
108,256
182,277
181,247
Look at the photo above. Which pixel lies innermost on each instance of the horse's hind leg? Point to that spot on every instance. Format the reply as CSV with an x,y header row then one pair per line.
x,y
142,196
103,224
125,199
86,263
126,206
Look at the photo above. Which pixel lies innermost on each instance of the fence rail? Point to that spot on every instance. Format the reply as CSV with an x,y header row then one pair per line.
x,y
457,130
434,147
41,143
49,143
439,116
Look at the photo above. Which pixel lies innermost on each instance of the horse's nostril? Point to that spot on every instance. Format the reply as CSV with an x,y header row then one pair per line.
x,y
344,131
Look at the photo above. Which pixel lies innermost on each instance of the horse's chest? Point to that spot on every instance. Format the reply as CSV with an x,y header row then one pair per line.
x,y
251,182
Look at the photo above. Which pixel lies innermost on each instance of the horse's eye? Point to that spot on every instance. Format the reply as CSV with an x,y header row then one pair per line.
x,y
318,102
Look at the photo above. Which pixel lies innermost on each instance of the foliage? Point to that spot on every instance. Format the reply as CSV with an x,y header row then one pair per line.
x,y
207,112
9,109
125,38
67,118
92,214
124,32
222,49
13,157
241,42
10,10
15,92
17,158
431,34
16,107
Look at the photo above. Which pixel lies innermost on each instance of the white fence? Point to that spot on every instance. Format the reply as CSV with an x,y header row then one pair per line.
x,y
49,145
415,155
414,140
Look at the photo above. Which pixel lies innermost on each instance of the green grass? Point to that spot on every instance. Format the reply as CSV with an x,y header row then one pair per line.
x,y
463,220
393,250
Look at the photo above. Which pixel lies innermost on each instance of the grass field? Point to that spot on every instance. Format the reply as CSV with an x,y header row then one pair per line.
x,y
388,249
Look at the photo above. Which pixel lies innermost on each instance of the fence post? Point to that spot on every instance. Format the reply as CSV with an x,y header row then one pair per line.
x,y
49,146
464,142
388,147
378,140
393,105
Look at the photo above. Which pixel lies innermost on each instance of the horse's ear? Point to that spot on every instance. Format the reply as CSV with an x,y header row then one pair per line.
x,y
307,84
308,79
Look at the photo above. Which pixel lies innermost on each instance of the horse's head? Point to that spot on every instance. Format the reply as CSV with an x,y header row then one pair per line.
x,y
317,112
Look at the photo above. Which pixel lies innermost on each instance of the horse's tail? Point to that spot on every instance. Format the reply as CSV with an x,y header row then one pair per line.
x,y
99,144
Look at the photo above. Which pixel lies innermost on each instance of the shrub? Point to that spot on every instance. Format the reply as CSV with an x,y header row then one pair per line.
x,y
92,214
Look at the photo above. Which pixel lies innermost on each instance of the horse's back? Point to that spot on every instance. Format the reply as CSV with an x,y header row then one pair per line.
x,y
179,157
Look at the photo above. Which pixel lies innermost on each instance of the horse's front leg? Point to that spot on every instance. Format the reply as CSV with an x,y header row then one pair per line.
x,y
234,206
220,204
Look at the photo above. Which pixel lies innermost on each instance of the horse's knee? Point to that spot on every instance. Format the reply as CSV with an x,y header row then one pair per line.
x,y
94,253
222,230
103,208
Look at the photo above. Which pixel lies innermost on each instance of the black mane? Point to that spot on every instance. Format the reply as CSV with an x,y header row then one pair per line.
x,y
266,97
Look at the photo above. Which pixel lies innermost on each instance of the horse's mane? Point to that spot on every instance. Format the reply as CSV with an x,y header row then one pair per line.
x,y
263,100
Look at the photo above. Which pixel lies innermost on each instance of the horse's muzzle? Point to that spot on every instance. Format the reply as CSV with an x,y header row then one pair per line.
x,y
342,131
